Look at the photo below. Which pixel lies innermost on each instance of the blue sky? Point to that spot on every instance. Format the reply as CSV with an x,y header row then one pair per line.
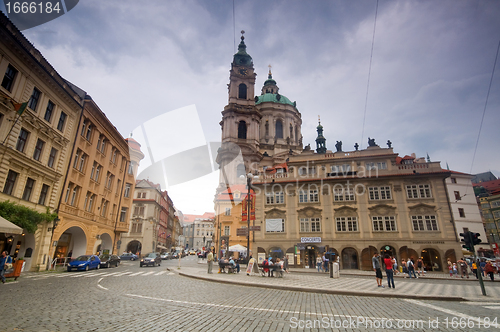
x,y
431,67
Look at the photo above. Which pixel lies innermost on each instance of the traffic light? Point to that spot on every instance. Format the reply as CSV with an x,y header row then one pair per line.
x,y
475,238
466,239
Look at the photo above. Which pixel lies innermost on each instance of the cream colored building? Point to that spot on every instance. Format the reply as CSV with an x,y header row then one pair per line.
x,y
35,146
99,188
351,203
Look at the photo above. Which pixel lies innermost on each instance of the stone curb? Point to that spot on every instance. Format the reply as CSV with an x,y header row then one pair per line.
x,y
329,291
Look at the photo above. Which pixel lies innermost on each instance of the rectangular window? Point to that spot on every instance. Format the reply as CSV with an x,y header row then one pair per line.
x,y
303,196
62,121
87,198
43,194
88,134
424,223
379,193
77,158
386,223
48,111
35,96
418,191
228,212
22,139
10,182
453,180
226,230
74,195
343,194
52,158
496,214
104,208
68,190
304,171
127,190
81,163
139,210
123,215
461,212
347,224
310,225
28,189
495,204
9,77
457,195
118,186
313,195
38,149
131,168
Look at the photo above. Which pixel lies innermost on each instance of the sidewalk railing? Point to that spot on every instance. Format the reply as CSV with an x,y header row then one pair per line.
x,y
60,261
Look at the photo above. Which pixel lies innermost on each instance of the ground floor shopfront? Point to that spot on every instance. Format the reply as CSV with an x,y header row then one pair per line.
x,y
358,255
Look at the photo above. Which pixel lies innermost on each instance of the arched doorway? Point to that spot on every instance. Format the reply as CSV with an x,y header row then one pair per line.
x,y
134,247
366,258
349,259
432,260
106,244
276,252
405,253
71,243
391,251
308,256
261,255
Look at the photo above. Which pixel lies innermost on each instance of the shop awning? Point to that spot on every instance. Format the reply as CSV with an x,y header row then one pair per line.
x,y
161,247
238,248
8,227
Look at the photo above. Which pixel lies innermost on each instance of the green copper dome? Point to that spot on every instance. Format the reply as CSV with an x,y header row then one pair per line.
x,y
274,98
242,57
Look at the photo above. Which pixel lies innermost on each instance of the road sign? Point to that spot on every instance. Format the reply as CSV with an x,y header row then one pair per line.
x,y
241,232
255,228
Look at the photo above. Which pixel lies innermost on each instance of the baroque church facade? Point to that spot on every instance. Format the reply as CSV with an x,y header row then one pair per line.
x,y
304,202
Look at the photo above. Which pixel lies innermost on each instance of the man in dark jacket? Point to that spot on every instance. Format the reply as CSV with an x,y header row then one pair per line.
x,y
4,259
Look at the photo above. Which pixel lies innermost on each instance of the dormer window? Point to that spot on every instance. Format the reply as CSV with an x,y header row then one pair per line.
x,y
242,91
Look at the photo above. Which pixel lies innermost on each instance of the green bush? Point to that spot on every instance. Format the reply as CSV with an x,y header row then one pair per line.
x,y
23,216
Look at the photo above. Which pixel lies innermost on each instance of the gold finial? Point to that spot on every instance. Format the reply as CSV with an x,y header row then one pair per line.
x,y
242,33
319,120
270,69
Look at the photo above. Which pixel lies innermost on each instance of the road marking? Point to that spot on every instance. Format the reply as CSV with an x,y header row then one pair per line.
x,y
480,303
98,285
171,273
122,274
147,273
494,307
451,312
160,273
252,308
94,274
135,274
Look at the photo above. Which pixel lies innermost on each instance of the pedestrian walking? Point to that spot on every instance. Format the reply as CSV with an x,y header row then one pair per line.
x,y
482,265
325,262
474,269
377,269
420,266
4,260
394,265
463,268
389,271
455,270
410,265
210,261
490,270
285,264
319,263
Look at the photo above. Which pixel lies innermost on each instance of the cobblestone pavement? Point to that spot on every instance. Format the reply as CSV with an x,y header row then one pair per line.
x,y
116,300
360,283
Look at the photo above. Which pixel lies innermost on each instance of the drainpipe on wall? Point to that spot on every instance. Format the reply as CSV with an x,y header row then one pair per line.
x,y
451,210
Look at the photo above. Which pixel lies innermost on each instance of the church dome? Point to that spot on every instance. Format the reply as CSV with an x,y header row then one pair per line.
x,y
273,98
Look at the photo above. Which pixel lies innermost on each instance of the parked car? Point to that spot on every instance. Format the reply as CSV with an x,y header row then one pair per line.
x,y
129,256
165,256
109,260
84,263
153,258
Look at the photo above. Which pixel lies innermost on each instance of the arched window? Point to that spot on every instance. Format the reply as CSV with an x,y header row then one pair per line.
x,y
242,91
242,130
291,131
279,129
240,170
296,133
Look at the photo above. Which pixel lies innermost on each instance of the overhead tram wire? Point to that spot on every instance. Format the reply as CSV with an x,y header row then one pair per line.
x,y
234,30
369,74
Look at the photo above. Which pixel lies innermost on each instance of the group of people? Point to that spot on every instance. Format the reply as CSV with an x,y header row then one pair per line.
x,y
322,263
462,267
410,267
267,263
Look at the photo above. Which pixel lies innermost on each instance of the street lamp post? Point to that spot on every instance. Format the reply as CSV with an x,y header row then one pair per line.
x,y
249,184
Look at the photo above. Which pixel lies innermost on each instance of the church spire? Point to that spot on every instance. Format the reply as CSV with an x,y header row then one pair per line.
x,y
270,85
320,140
242,58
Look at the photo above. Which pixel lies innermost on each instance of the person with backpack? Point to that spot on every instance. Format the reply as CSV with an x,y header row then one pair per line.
x,y
410,265
5,260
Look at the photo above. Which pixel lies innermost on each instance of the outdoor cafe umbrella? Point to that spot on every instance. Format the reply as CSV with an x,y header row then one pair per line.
x,y
238,248
8,227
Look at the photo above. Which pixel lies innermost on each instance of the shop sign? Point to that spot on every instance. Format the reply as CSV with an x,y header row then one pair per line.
x,y
310,240
301,246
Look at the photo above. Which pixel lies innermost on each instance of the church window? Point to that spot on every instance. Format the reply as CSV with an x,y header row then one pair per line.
x,y
291,131
242,130
242,91
296,132
279,129
267,127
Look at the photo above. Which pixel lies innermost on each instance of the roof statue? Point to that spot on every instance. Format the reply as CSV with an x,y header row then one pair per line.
x,y
389,144
339,146
371,142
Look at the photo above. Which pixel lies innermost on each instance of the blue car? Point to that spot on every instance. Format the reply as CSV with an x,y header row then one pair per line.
x,y
128,256
84,263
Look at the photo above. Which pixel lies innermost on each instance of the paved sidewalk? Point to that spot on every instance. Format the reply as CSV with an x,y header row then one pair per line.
x,y
357,283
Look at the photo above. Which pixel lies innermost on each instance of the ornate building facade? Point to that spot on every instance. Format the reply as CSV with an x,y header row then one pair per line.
x,y
306,202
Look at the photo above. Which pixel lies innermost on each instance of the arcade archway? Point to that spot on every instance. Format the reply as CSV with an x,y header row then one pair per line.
x,y
134,247
349,259
71,243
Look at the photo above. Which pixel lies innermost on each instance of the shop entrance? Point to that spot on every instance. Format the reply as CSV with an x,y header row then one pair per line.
x,y
310,256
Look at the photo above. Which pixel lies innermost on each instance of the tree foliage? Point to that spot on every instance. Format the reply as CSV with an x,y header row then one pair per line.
x,y
23,216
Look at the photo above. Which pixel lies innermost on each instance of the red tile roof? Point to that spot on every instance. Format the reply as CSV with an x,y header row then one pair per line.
x,y
492,185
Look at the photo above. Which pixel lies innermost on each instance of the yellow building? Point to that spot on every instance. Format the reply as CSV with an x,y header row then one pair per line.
x,y
35,146
98,190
